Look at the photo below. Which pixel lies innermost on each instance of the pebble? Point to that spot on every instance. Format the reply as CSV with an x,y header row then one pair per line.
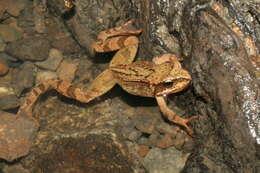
x,y
9,33
143,150
2,44
67,70
3,68
13,7
165,161
23,77
42,76
30,48
145,123
53,61
9,102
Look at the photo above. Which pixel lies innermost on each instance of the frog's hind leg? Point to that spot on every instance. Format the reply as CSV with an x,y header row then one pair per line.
x,y
125,55
125,29
103,83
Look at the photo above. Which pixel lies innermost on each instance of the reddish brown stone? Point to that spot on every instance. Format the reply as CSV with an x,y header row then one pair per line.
x,y
143,150
3,68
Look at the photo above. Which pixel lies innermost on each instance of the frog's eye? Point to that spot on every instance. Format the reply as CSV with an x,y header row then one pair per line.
x,y
168,84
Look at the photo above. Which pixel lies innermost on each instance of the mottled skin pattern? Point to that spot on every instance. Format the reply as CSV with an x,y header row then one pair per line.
x,y
159,78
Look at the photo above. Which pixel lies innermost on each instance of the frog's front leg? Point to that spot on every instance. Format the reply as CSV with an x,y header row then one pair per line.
x,y
180,80
172,116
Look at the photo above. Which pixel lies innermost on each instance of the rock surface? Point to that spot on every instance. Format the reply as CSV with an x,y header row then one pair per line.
x,y
31,48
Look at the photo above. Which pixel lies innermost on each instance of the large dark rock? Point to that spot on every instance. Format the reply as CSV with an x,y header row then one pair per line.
x,y
224,79
31,48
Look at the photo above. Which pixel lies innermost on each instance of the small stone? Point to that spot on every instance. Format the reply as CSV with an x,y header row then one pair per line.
x,y
9,102
67,70
144,123
53,61
44,76
13,7
165,142
9,33
165,161
17,168
3,68
23,78
143,150
6,90
30,48
2,44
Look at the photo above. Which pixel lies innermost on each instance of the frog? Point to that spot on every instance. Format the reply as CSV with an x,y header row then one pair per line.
x,y
157,79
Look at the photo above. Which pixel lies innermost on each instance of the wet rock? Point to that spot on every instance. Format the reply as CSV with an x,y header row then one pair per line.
x,y
143,150
17,168
16,135
66,44
165,161
9,102
166,141
53,61
145,123
67,70
131,133
23,77
30,48
223,76
42,76
9,33
6,90
2,44
3,68
13,7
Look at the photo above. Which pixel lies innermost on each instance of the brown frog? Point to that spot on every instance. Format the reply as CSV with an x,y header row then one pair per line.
x,y
159,78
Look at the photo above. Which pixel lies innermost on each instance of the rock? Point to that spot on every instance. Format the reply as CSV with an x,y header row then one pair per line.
x,y
67,70
165,161
2,44
9,33
31,48
16,137
6,90
13,7
23,78
143,150
3,68
17,168
9,102
145,123
53,61
66,43
223,77
45,75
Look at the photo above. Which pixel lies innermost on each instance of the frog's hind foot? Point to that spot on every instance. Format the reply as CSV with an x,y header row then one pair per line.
x,y
116,38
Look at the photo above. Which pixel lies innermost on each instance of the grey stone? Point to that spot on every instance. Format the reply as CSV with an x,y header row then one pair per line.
x,y
165,161
31,48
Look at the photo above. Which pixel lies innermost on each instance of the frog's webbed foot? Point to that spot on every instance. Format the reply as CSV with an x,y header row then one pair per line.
x,y
172,116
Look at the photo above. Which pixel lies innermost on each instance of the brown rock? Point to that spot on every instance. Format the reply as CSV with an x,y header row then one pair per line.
x,y
3,68
143,150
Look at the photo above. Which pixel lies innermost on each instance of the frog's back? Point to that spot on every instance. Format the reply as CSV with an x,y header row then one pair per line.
x,y
134,78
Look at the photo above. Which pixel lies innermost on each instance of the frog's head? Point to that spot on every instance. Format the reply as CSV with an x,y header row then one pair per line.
x,y
177,80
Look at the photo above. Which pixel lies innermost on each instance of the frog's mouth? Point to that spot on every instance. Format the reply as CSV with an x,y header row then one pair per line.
x,y
174,86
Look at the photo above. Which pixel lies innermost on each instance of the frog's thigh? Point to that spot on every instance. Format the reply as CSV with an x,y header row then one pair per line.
x,y
102,84
125,55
